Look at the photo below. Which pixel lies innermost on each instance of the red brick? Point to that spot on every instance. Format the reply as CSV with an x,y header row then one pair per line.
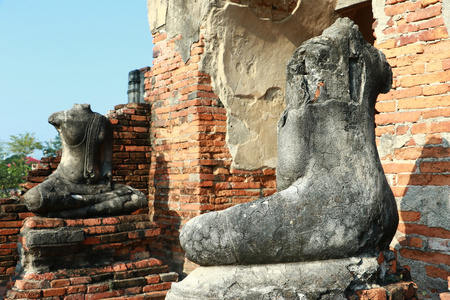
x,y
74,289
401,93
436,89
397,9
434,113
435,167
246,185
6,251
159,37
152,279
399,191
406,39
387,44
373,294
30,294
30,284
434,34
24,215
433,139
4,232
35,276
420,79
97,288
80,280
380,130
75,297
54,292
440,127
100,229
422,14
8,246
424,230
425,3
103,295
436,272
423,179
92,222
399,167
418,152
411,242
157,287
428,257
395,118
37,222
59,283
76,222
436,22
11,224
409,216
389,106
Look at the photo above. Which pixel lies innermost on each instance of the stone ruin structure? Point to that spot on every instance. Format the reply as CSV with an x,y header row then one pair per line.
x,y
89,236
204,140
332,203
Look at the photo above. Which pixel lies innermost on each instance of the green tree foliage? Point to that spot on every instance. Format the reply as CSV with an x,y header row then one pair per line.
x,y
24,144
14,169
2,150
52,147
12,173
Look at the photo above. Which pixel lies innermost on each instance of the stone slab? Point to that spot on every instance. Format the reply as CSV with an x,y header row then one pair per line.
x,y
308,280
58,236
342,4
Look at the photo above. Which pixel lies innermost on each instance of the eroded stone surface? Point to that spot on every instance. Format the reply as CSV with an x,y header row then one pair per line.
x,y
81,185
334,201
294,281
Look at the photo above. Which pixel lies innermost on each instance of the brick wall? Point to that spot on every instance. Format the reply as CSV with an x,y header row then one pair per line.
x,y
413,127
190,170
111,260
12,213
131,144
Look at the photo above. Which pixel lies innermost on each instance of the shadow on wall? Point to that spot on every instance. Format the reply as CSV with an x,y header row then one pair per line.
x,y
167,218
424,242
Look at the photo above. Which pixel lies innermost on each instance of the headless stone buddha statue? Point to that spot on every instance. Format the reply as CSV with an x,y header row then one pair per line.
x,y
81,185
333,200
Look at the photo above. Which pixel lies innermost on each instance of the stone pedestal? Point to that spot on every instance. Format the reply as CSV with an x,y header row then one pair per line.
x,y
95,258
310,280
351,278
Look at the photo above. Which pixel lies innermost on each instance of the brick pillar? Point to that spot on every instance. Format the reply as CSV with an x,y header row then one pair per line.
x,y
413,130
131,144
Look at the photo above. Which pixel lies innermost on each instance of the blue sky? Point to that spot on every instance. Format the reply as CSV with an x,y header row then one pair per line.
x,y
56,53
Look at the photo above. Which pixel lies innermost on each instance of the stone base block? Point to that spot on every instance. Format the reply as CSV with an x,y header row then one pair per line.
x,y
306,280
351,278
51,244
96,258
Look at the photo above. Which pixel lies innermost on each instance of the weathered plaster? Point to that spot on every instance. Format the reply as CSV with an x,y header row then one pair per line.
x,y
382,19
433,204
246,57
446,13
156,10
